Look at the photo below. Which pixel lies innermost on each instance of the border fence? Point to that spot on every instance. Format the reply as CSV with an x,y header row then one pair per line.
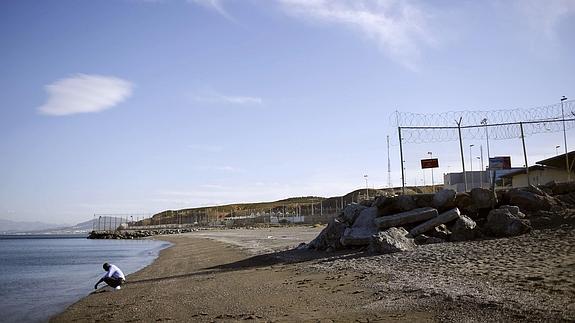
x,y
487,125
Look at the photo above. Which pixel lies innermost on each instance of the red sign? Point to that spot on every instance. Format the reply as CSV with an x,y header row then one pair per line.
x,y
430,163
501,162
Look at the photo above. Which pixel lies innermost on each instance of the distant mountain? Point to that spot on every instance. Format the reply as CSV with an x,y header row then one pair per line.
x,y
8,226
105,222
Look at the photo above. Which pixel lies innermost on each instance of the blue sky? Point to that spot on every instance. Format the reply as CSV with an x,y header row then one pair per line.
x,y
127,106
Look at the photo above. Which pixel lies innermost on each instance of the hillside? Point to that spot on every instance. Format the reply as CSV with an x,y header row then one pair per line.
x,y
307,205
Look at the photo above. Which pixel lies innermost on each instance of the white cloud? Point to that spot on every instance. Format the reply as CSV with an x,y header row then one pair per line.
x,y
84,93
400,28
544,16
218,98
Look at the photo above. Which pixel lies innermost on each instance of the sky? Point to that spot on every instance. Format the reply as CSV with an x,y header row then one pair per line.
x,y
137,106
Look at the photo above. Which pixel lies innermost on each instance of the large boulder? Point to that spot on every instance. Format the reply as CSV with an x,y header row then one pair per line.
x,y
464,229
350,213
329,238
391,240
463,201
406,203
483,198
530,200
441,231
444,199
502,223
423,200
362,230
399,219
445,217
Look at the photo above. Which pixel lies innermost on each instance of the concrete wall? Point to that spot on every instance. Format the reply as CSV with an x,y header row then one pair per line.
x,y
540,177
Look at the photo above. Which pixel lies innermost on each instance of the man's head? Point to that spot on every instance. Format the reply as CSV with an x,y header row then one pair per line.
x,y
106,266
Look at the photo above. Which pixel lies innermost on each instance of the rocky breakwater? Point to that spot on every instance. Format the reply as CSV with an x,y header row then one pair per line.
x,y
400,223
135,234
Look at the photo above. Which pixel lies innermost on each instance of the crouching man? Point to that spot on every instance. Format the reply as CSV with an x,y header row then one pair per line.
x,y
114,277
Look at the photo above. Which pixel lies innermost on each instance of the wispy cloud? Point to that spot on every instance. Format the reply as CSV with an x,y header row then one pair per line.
x,y
544,16
84,93
218,98
215,5
400,28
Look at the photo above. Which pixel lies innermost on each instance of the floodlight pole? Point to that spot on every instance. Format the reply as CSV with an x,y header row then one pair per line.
x,y
525,153
484,122
565,141
461,148
401,159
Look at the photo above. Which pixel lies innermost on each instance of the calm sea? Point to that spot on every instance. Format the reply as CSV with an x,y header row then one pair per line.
x,y
42,275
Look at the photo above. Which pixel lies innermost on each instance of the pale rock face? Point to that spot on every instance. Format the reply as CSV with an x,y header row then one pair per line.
x,y
392,240
464,229
502,223
362,230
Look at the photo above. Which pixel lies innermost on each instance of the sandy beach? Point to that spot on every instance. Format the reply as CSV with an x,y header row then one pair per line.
x,y
234,275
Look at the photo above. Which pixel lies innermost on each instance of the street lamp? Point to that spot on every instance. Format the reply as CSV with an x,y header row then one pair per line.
x,y
567,168
432,181
471,164
366,187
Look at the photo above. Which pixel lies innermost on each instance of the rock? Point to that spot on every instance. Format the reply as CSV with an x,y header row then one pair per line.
x,y
406,203
350,213
424,239
563,188
444,199
445,217
329,238
366,203
399,219
463,201
464,229
423,200
387,205
528,200
513,210
483,198
501,223
362,230
302,246
441,231
391,240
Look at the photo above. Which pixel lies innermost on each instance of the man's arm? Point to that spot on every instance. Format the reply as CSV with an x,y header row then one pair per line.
x,y
101,280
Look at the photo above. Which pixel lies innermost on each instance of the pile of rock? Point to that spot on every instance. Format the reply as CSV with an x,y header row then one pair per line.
x,y
135,234
400,223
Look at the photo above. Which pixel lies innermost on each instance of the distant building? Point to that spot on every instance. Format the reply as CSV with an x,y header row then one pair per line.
x,y
456,182
545,171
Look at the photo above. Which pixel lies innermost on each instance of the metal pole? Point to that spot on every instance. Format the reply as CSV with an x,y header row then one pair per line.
x,y
461,149
471,165
401,159
432,179
567,168
482,169
524,153
484,122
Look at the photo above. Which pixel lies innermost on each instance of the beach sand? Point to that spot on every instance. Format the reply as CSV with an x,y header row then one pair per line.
x,y
235,275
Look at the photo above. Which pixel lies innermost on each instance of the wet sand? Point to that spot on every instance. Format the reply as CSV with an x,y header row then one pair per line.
x,y
234,275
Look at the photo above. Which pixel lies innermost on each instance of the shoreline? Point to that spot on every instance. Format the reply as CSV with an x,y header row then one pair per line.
x,y
258,277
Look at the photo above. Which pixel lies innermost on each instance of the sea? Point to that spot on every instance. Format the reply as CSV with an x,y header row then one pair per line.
x,y
41,275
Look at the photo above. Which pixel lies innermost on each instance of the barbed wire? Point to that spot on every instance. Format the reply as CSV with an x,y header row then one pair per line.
x,y
497,124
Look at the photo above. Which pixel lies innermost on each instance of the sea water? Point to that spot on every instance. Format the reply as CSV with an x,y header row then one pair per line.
x,y
42,275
